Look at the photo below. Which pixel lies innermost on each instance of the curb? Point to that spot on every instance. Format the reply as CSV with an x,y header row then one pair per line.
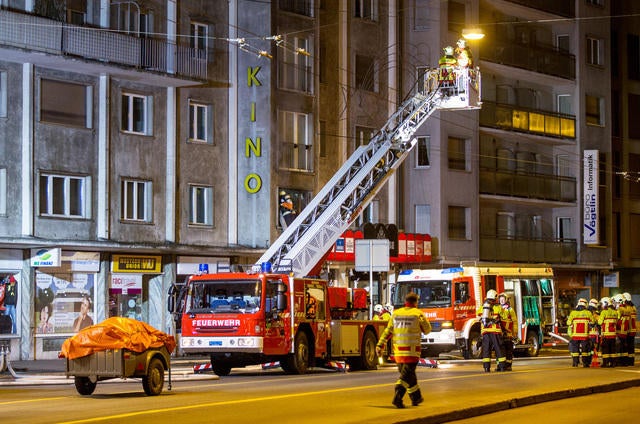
x,y
491,408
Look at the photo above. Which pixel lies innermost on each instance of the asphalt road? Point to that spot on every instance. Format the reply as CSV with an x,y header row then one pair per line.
x,y
454,390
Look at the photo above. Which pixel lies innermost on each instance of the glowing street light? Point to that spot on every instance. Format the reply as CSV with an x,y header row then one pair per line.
x,y
472,33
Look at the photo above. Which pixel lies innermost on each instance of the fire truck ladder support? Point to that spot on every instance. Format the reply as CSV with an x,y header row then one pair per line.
x,y
305,242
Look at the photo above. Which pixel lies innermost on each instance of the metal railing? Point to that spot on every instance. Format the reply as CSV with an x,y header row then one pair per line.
x,y
532,121
45,35
544,60
508,249
525,185
296,157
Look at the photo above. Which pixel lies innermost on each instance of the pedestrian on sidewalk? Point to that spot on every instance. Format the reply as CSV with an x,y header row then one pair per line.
x,y
405,327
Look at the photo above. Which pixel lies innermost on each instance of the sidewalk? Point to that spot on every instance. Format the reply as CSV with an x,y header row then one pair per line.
x,y
52,371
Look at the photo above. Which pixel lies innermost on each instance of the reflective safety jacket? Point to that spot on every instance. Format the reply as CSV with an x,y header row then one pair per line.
x,y
579,321
608,321
509,320
405,328
624,320
594,331
633,312
491,324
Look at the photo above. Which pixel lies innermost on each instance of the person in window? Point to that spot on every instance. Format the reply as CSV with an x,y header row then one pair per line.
x,y
312,306
83,320
287,212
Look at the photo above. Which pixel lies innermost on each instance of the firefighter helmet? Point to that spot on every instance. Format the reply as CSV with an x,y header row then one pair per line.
x,y
491,294
448,51
593,303
618,298
389,307
378,308
626,296
605,301
582,302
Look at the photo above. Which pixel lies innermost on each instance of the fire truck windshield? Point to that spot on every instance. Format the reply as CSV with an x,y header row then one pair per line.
x,y
220,296
433,293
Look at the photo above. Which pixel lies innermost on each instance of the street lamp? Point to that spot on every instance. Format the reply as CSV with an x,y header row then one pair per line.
x,y
472,33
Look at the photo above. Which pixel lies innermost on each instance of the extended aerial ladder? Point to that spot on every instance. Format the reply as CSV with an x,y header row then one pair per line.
x,y
314,231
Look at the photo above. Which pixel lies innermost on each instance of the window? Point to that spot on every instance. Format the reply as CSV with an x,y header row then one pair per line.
x,y
201,205
301,7
3,94
423,219
633,111
65,103
136,198
423,152
505,224
300,199
458,222
199,40
563,42
594,110
295,70
65,196
3,191
324,64
457,16
126,17
200,127
367,9
565,104
421,15
421,79
295,141
366,74
369,214
137,113
322,137
457,153
595,2
594,51
563,228
633,56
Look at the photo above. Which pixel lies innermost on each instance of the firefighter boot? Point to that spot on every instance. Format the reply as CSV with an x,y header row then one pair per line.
x,y
487,366
397,399
416,398
576,361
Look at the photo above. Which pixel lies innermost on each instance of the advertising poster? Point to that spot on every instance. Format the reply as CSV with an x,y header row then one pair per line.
x,y
64,302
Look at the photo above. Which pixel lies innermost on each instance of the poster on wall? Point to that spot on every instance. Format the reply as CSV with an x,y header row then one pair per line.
x,y
64,302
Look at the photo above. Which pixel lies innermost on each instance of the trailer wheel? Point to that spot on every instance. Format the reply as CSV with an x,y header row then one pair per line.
x,y
534,343
84,385
154,380
298,362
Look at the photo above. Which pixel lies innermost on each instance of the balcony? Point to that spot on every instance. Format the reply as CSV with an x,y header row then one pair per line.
x,y
561,8
37,34
529,186
544,60
514,118
505,249
296,157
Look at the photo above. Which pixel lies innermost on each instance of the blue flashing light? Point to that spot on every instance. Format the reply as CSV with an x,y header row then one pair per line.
x,y
406,272
452,270
265,267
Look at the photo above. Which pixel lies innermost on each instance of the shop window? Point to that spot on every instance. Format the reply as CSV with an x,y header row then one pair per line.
x,y
136,114
65,196
136,200
201,205
200,123
65,103
9,304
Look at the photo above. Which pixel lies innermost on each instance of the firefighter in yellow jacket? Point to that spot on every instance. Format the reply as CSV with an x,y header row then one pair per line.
x,y
509,322
579,322
491,332
405,328
631,333
608,320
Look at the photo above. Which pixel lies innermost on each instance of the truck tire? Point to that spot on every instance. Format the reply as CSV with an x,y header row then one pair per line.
x,y
298,362
534,341
84,385
221,369
154,380
473,350
368,354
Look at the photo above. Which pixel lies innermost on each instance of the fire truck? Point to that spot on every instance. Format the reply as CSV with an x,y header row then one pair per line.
x,y
263,315
451,297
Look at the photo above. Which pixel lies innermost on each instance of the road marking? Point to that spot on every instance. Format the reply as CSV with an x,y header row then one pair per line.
x,y
13,402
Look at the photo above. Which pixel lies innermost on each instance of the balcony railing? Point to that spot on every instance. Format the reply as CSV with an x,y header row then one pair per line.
x,y
551,251
562,8
544,60
515,118
296,157
531,186
45,35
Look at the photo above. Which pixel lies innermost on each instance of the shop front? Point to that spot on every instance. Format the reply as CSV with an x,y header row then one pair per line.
x,y
10,293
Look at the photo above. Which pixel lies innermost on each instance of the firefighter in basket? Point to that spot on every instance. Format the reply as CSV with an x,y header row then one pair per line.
x,y
462,54
579,322
491,332
509,320
447,69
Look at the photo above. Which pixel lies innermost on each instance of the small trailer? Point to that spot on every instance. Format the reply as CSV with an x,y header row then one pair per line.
x,y
148,365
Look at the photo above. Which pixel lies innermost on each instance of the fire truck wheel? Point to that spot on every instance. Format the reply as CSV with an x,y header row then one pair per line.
x,y
84,385
298,362
473,350
154,380
221,370
368,354
534,344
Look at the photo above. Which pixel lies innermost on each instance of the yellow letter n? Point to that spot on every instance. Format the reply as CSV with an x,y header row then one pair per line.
x,y
250,146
